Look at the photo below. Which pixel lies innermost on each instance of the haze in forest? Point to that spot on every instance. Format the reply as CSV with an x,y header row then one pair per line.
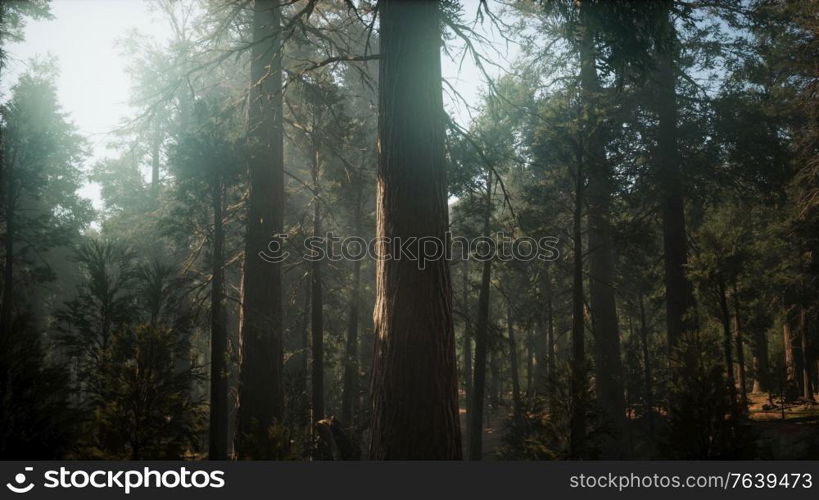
x,y
84,37
442,230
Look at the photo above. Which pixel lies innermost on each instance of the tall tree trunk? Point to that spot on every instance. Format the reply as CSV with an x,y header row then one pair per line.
x,y
578,368
261,392
349,407
605,328
7,202
495,386
679,293
541,343
303,409
414,382
467,347
317,293
759,362
155,144
807,383
647,377
513,361
743,391
218,441
791,382
8,264
530,365
725,316
551,380
481,342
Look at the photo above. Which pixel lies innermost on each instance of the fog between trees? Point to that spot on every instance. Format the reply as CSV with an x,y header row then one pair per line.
x,y
660,156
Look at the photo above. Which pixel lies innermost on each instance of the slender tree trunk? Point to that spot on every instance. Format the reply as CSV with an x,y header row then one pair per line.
x,y
481,343
542,338
578,368
414,382
261,392
218,442
299,406
317,293
790,364
551,380
760,361
807,383
608,365
530,366
647,377
513,361
725,316
540,355
350,388
7,202
743,391
467,347
790,360
495,385
155,144
679,293
8,264
304,362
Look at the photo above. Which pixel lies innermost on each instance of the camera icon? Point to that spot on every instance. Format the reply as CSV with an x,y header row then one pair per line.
x,y
20,478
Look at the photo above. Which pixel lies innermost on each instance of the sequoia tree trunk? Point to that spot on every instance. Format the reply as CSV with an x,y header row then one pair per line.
x,y
261,392
414,381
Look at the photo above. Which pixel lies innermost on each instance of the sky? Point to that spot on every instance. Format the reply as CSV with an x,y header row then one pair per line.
x,y
93,86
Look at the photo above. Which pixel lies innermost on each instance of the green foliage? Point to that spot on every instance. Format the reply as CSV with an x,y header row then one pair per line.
x,y
128,333
13,17
536,435
276,442
104,302
704,421
41,173
36,419
543,431
141,395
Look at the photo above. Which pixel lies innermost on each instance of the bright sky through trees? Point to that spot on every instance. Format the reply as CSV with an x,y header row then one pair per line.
x,y
93,85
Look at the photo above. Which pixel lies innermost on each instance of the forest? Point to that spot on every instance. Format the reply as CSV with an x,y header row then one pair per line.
x,y
299,253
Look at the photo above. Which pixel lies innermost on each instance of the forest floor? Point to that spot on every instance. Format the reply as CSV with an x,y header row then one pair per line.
x,y
492,434
788,433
